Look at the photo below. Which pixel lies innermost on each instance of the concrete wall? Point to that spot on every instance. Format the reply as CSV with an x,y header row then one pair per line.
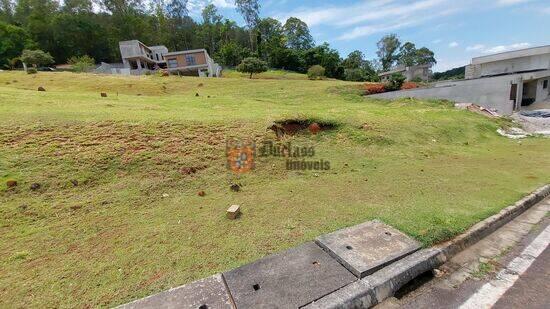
x,y
522,64
537,58
131,49
543,94
492,93
159,52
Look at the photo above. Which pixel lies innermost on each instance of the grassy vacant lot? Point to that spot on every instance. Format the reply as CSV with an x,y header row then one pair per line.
x,y
118,217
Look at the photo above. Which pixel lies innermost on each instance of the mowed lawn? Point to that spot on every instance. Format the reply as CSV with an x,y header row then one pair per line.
x,y
118,217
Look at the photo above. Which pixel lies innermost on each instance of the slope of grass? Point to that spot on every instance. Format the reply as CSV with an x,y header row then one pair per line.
x,y
270,74
117,215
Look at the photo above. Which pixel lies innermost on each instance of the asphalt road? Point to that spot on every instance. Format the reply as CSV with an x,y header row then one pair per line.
x,y
532,289
520,279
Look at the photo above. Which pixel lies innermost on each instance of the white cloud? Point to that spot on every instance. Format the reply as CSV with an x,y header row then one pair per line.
x,y
510,2
368,17
504,48
363,11
497,49
453,44
476,47
362,18
437,41
546,10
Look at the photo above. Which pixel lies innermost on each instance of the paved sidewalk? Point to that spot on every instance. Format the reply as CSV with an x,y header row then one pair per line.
x,y
508,269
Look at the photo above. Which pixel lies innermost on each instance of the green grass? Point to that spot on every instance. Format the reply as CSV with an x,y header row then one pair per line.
x,y
483,269
116,219
271,74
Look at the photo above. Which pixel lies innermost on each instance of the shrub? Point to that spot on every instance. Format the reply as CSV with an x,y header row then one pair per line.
x,y
354,75
409,85
395,82
82,64
316,72
148,72
36,57
417,79
32,71
252,65
375,88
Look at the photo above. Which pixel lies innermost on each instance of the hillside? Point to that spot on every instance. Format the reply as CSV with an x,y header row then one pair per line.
x,y
114,211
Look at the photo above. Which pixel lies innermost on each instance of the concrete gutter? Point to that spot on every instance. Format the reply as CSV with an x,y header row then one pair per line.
x,y
382,284
309,276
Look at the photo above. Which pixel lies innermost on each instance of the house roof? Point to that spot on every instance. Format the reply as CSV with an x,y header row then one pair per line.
x,y
533,51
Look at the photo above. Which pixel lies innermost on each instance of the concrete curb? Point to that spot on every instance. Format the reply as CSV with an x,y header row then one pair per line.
x,y
361,293
382,284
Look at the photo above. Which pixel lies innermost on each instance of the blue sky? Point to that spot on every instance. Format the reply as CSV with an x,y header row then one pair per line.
x,y
456,30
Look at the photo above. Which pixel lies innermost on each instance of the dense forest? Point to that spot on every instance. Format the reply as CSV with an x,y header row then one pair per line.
x,y
94,27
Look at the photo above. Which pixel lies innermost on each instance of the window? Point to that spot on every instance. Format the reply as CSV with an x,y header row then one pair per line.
x,y
190,59
172,63
545,84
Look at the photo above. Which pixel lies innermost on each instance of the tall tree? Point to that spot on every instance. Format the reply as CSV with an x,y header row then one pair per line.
x,y
357,68
77,6
270,37
425,56
78,35
250,11
181,25
177,9
297,34
210,15
407,54
387,52
210,28
326,57
6,11
13,40
355,60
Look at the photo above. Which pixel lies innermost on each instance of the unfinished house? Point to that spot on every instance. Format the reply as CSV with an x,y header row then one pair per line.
x,y
422,72
195,62
138,58
504,82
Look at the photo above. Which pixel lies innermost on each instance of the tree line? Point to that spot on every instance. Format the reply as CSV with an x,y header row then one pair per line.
x,y
73,28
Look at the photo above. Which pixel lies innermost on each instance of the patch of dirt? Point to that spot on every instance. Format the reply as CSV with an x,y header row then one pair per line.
x,y
159,149
295,126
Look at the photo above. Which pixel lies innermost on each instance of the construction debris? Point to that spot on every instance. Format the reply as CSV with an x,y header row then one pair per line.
x,y
535,123
477,109
233,212
513,133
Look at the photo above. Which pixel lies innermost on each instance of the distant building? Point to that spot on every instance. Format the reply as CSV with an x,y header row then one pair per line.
x,y
192,61
518,61
138,58
501,82
422,72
